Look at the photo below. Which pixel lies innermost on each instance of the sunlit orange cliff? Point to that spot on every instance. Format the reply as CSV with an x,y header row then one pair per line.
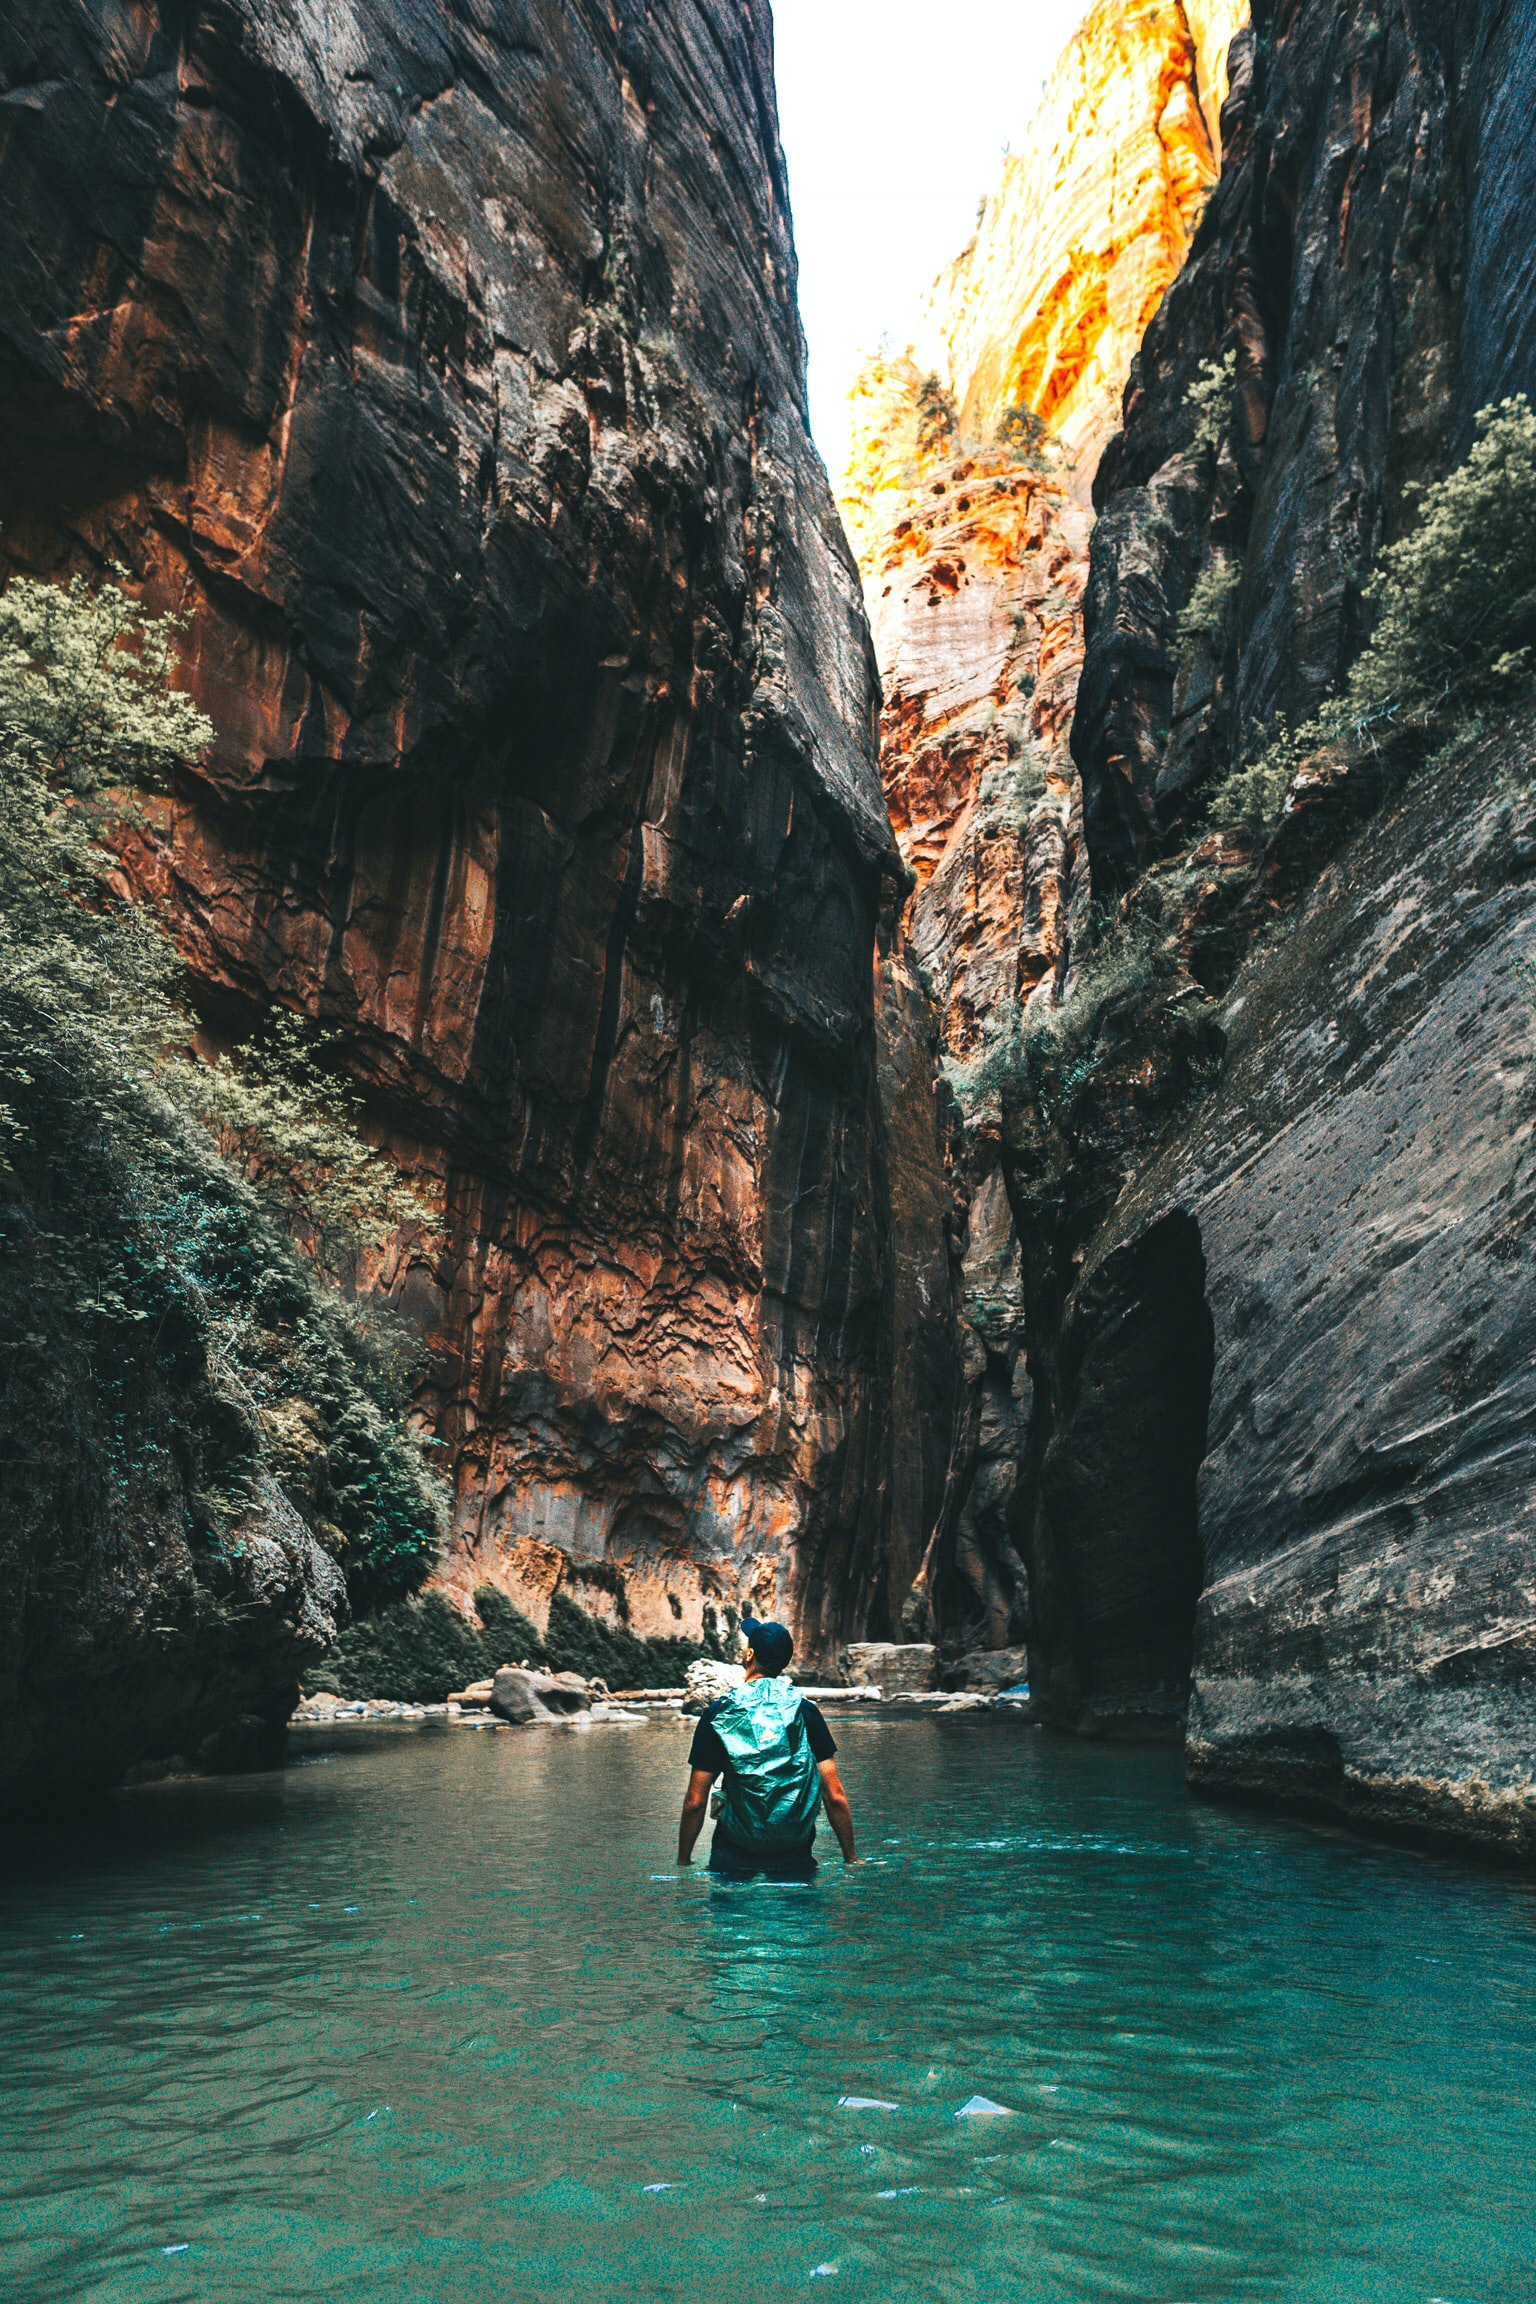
x,y
966,499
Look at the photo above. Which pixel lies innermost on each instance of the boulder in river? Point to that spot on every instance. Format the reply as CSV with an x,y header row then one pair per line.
x,y
895,1668
526,1697
992,1669
708,1678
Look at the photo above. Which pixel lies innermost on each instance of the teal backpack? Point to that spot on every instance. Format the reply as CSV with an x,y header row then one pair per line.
x,y
771,1791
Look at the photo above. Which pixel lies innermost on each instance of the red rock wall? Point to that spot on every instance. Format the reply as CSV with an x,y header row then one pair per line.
x,y
443,367
1091,219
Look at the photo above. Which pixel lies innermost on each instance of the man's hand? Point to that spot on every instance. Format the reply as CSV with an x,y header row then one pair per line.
x,y
695,1809
839,1815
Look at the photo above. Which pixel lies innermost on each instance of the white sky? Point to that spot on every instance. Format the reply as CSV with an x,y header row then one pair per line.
x,y
894,118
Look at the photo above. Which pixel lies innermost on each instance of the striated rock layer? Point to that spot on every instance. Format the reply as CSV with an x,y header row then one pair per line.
x,y
971,531
976,610
1281,1448
443,368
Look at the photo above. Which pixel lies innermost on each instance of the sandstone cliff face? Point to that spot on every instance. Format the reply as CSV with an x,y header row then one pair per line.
x,y
443,367
1280,1447
1074,251
971,532
975,601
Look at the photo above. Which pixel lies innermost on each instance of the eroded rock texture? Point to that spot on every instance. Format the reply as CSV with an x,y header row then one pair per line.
x,y
443,366
971,530
1356,1198
975,601
1316,1274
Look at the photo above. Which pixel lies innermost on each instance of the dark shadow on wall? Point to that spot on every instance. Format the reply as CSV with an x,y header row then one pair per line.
x,y
1117,1539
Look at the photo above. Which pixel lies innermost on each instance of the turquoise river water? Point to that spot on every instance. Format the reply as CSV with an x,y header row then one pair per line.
x,y
431,2018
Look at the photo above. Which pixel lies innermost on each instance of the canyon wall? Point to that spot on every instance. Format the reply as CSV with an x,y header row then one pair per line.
x,y
965,499
1240,1122
442,367
1282,1445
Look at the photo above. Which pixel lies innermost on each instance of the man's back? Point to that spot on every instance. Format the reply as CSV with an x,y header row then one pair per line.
x,y
774,1754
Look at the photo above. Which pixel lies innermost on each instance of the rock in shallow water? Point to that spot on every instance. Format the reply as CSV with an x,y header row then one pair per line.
x,y
526,1698
708,1678
896,1669
989,1669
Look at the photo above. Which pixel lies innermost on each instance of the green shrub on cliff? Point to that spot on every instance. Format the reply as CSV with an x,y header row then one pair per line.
x,y
1210,396
936,420
1202,621
1457,595
1011,789
1027,438
132,1255
423,1649
84,706
290,1128
1456,628
1251,798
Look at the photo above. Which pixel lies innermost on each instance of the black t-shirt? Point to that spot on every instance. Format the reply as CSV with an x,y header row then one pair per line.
x,y
707,1751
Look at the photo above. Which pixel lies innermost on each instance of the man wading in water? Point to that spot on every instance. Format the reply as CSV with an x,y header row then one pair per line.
x,y
775,1752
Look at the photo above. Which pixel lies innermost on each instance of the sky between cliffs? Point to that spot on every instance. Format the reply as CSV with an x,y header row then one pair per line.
x,y
894,118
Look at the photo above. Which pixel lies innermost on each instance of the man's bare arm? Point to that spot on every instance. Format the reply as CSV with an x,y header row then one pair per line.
x,y
695,1809
839,1815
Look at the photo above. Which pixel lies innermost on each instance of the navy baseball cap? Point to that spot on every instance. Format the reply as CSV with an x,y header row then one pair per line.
x,y
769,1642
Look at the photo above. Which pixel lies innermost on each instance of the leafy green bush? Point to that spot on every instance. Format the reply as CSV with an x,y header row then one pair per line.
x,y
421,1650
83,707
936,421
1026,436
1458,594
1457,625
290,1128
577,1642
1251,799
1210,396
134,1254
1011,789
1203,619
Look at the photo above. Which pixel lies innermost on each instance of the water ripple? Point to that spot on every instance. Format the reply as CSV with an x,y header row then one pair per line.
x,y
430,2020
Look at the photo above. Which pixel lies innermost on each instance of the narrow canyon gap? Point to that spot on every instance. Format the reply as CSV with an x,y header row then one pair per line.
x,y
1302,249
